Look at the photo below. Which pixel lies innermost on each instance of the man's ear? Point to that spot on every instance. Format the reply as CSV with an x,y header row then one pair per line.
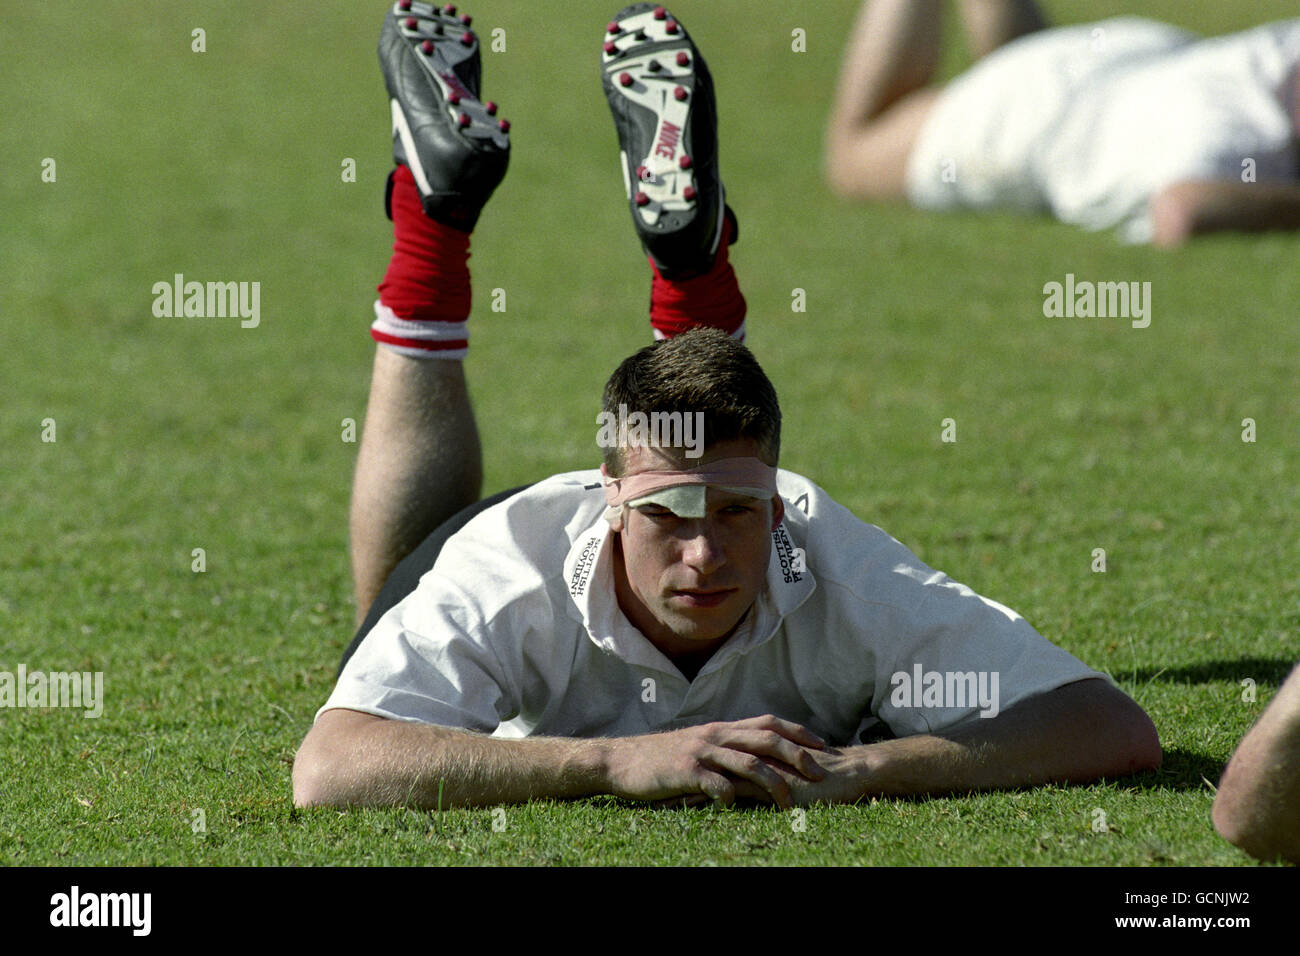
x,y
778,511
617,522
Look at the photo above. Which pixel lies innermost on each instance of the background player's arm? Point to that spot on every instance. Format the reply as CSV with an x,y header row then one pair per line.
x,y
1074,734
1196,207
1258,803
351,758
884,95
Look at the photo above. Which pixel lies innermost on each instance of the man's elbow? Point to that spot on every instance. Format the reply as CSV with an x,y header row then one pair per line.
x,y
1255,830
838,168
318,773
1253,818
311,781
1230,820
850,172
1131,742
1145,752
1138,743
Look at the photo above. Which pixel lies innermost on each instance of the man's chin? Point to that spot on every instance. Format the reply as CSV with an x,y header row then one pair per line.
x,y
702,624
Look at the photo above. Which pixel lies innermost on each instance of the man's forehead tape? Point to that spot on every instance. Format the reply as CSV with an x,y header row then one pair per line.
x,y
685,501
745,475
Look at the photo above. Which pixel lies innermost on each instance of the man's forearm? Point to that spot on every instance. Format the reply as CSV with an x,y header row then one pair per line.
x,y
1198,207
1079,732
991,24
1076,733
355,759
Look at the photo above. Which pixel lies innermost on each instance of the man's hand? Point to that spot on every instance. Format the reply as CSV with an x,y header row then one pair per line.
x,y
841,779
1076,733
764,757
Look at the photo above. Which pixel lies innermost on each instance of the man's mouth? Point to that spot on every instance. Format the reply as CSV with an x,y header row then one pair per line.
x,y
704,597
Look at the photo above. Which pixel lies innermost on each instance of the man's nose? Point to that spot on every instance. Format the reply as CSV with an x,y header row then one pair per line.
x,y
702,549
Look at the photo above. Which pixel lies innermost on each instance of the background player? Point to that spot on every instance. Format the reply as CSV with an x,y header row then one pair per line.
x,y
1126,122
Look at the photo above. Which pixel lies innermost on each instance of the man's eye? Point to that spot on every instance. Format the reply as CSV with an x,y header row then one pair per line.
x,y
738,509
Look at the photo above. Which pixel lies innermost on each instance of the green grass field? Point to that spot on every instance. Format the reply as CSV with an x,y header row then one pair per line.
x,y
177,434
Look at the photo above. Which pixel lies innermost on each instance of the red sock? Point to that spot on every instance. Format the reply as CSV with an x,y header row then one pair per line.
x,y
424,299
712,299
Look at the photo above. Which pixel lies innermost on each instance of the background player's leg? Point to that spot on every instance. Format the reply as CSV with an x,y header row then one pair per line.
x,y
882,99
992,23
419,463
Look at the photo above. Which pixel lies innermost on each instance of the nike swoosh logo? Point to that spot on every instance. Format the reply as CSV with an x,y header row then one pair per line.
x,y
403,130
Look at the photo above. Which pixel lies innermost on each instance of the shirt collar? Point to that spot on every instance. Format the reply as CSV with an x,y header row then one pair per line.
x,y
589,579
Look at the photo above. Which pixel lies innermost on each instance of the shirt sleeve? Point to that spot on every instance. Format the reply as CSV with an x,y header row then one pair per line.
x,y
958,655
898,648
430,659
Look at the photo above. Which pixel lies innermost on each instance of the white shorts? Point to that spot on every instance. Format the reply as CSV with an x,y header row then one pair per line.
x,y
1089,122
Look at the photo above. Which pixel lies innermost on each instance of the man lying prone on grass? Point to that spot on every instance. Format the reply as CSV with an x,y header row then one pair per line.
x,y
689,623
700,628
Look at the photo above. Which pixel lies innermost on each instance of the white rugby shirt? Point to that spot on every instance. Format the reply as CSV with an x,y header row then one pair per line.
x,y
516,631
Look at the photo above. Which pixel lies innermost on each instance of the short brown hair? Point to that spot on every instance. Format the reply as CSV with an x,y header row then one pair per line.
x,y
703,370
